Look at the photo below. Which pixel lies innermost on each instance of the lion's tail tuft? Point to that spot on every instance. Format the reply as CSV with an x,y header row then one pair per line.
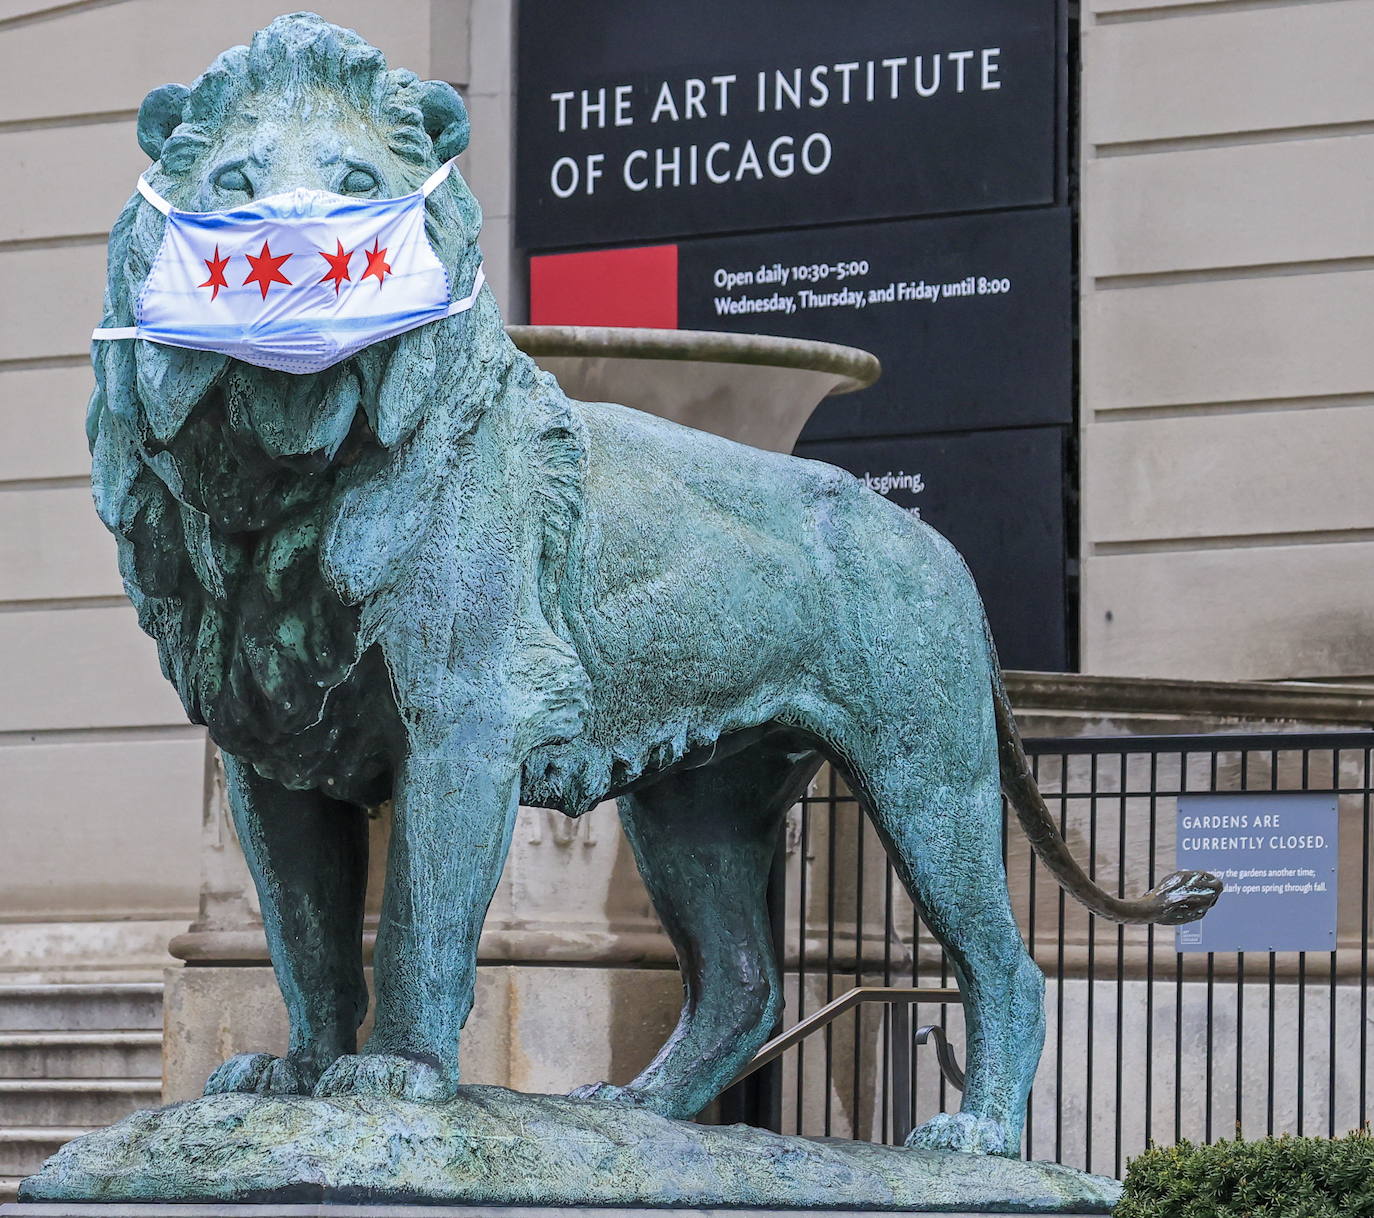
x,y
1181,897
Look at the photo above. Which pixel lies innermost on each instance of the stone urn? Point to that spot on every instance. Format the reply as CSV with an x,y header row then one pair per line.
x,y
753,388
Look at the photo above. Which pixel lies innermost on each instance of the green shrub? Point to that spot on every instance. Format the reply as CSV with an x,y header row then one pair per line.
x,y
1274,1178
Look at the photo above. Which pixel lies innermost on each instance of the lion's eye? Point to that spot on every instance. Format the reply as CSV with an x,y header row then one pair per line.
x,y
358,182
232,180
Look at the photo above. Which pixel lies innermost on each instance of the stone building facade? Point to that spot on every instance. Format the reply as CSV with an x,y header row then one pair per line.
x,y
1226,379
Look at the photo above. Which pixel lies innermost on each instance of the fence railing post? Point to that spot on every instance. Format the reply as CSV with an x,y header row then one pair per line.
x,y
900,1025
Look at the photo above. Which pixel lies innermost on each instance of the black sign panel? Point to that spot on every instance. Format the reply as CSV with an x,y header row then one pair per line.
x,y
652,118
999,496
971,317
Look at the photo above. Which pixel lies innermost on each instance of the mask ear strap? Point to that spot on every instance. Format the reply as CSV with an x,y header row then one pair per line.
x,y
435,179
107,332
462,306
153,197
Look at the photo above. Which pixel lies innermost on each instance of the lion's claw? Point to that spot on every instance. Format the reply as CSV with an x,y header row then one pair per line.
x,y
608,1093
403,1078
258,1074
665,1101
964,1132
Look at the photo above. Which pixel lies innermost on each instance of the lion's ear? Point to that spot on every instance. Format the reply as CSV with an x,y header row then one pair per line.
x,y
159,116
446,118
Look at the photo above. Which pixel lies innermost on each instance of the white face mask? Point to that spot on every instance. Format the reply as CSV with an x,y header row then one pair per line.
x,y
295,282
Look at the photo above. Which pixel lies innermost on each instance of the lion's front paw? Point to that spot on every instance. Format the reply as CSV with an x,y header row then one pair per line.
x,y
403,1078
962,1131
259,1074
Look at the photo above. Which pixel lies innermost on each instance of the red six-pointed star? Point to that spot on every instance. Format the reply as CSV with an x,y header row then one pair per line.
x,y
216,267
376,263
266,269
338,266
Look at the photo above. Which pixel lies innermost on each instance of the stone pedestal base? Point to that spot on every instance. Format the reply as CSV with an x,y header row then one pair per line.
x,y
533,1027
489,1146
172,1210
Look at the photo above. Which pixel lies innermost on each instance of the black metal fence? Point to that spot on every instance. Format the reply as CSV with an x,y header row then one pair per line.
x,y
1144,1043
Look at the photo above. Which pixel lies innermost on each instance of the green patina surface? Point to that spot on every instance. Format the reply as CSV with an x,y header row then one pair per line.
x,y
426,575
492,1146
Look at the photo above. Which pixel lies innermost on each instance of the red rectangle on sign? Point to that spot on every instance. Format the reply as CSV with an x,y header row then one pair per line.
x,y
626,287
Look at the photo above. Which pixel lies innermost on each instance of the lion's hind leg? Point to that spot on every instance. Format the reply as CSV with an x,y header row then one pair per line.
x,y
705,840
938,808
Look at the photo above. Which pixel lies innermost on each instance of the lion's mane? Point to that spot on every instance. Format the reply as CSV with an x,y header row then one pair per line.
x,y
267,522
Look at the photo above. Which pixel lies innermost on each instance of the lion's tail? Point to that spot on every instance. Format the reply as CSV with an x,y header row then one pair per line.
x,y
1183,896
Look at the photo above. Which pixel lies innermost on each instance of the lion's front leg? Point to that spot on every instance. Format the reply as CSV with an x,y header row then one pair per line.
x,y
308,858
454,813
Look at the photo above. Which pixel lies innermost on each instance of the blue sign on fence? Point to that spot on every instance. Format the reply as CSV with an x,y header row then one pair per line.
x,y
1276,853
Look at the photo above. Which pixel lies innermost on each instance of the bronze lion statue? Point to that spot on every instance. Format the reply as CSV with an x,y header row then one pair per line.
x,y
424,574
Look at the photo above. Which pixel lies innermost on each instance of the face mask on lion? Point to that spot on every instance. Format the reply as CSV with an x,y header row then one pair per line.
x,y
424,574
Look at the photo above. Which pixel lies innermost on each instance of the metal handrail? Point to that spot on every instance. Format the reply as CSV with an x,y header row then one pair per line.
x,y
803,1028
944,1053
901,999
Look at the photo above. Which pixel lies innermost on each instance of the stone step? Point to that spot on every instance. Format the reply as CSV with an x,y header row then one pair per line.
x,y
68,1102
85,1007
24,1151
90,1054
9,1188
